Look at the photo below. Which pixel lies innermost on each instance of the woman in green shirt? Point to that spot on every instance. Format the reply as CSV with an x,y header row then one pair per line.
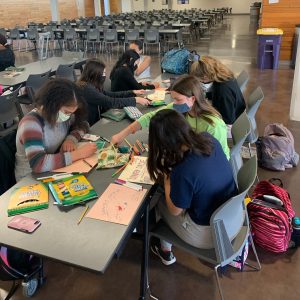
x,y
189,100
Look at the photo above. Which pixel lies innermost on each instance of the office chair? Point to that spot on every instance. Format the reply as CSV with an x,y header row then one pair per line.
x,y
131,35
230,219
151,37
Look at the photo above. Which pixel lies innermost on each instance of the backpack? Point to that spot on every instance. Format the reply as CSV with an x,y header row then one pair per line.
x,y
271,217
276,148
176,61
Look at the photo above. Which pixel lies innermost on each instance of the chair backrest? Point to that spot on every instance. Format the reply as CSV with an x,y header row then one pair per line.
x,y
70,34
242,80
254,101
10,112
131,35
110,35
32,34
240,130
35,81
14,34
228,219
3,32
93,34
151,36
66,71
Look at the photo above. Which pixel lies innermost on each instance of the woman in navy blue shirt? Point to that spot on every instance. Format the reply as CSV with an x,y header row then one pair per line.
x,y
197,179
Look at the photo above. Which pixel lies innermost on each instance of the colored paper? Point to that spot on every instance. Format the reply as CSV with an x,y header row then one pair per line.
x,y
118,204
136,171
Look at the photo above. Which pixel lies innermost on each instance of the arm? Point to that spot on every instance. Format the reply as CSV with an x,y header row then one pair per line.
x,y
143,66
174,210
133,84
122,94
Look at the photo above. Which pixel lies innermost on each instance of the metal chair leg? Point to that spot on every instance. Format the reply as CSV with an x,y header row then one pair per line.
x,y
258,268
218,281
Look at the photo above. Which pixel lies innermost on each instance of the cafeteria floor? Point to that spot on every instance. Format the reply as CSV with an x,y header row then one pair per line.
x,y
234,42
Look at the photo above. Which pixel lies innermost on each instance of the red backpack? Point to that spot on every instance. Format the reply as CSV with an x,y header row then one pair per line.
x,y
270,218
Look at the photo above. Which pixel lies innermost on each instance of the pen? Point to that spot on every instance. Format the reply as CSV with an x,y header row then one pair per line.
x,y
83,214
87,163
119,170
104,139
128,143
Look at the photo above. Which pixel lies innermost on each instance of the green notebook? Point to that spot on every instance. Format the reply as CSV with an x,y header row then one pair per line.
x,y
114,114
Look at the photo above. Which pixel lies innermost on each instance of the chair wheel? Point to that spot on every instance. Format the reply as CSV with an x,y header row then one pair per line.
x,y
30,287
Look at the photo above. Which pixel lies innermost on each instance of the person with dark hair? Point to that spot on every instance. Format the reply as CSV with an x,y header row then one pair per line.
x,y
197,180
189,100
143,68
47,136
7,56
122,74
225,94
98,100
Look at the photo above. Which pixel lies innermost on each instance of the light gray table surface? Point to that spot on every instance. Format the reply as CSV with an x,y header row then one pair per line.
x,y
90,245
38,67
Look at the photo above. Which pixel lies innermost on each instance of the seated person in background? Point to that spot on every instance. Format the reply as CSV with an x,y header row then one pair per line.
x,y
47,136
197,180
143,65
189,100
7,57
225,93
122,74
98,100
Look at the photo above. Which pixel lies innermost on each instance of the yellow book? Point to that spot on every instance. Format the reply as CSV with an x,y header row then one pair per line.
x,y
28,198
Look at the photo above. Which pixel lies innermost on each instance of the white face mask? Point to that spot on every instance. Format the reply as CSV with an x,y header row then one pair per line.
x,y
62,117
206,86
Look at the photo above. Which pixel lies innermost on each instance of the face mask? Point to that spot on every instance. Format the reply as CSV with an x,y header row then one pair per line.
x,y
62,117
181,108
102,79
206,86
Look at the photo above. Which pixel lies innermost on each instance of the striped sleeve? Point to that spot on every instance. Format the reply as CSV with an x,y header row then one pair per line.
x,y
30,133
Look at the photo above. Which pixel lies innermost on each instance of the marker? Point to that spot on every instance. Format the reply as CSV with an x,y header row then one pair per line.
x,y
57,176
145,146
140,145
128,184
104,139
136,150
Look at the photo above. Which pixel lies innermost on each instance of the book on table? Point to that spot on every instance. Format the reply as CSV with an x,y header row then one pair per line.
x,y
28,198
72,190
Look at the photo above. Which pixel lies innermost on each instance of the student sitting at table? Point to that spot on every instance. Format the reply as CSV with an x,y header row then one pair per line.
x,y
224,93
99,100
197,180
7,57
143,65
47,136
122,74
189,100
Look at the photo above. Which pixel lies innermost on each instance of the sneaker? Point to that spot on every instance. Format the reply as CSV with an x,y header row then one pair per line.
x,y
166,257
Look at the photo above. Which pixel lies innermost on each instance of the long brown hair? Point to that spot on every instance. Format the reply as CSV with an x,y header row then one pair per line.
x,y
212,68
170,136
92,73
189,86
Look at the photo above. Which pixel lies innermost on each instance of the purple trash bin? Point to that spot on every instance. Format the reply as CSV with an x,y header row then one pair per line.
x,y
268,51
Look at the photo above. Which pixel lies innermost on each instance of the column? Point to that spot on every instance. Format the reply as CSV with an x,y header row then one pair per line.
x,y
97,6
54,10
295,101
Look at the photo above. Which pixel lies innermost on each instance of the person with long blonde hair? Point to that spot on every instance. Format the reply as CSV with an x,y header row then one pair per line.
x,y
224,93
188,99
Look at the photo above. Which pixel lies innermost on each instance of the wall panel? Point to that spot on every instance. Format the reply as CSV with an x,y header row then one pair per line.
x,y
284,15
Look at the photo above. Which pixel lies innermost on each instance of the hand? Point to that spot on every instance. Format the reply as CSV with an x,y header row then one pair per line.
x,y
68,146
156,84
117,139
142,100
139,92
87,150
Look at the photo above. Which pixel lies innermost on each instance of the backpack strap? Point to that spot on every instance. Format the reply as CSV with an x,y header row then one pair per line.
x,y
273,180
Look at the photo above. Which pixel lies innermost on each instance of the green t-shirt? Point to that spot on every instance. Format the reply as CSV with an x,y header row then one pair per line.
x,y
218,130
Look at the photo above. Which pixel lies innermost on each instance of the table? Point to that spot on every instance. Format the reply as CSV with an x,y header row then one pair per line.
x,y
40,66
90,245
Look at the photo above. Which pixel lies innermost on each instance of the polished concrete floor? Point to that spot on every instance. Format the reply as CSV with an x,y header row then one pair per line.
x,y
235,43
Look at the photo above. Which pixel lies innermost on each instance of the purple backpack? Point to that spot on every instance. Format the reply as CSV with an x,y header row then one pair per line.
x,y
276,148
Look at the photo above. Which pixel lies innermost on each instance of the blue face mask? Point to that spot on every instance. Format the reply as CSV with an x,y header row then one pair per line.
x,y
181,108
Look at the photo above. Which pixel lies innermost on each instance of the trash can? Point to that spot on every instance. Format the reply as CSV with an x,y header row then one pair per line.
x,y
269,41
295,44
